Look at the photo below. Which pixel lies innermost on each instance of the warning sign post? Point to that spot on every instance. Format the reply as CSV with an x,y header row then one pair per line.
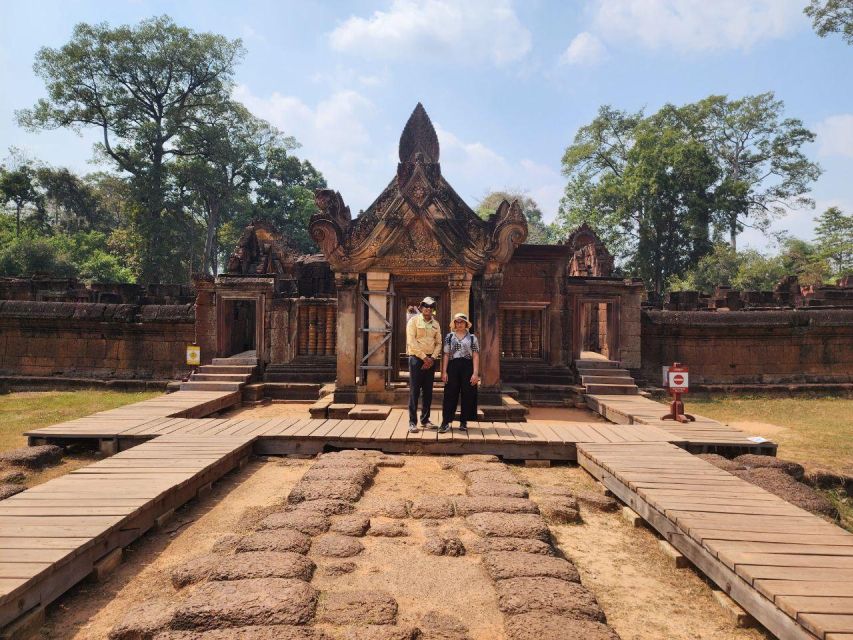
x,y
678,382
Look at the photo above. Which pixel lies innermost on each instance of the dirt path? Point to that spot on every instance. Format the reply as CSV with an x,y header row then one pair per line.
x,y
643,595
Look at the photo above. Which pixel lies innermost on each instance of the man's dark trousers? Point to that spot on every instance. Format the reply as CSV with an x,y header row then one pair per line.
x,y
420,380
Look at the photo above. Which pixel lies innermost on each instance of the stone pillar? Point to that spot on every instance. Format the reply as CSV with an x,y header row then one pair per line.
x,y
377,315
490,340
460,295
347,312
205,319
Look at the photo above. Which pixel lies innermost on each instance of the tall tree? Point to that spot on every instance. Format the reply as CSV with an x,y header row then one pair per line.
x,y
834,235
19,186
228,155
538,231
143,87
71,203
832,16
763,170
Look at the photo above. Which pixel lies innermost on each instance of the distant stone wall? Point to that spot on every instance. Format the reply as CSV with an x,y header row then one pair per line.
x,y
750,347
90,340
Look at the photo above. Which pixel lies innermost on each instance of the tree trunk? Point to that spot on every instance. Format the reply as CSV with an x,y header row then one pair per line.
x,y
17,220
733,231
210,238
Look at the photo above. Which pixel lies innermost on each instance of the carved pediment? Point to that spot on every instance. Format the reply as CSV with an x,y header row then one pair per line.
x,y
417,220
261,251
589,255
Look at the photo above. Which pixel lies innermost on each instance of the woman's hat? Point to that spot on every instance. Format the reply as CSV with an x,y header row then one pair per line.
x,y
462,316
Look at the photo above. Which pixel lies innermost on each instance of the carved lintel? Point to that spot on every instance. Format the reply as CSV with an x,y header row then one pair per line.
x,y
459,281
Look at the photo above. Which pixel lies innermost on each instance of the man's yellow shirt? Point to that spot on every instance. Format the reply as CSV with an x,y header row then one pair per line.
x,y
423,338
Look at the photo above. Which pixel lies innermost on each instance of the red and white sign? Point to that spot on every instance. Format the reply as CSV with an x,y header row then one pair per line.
x,y
678,379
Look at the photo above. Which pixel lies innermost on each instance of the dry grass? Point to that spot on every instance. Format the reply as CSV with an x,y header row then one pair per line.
x,y
25,410
815,430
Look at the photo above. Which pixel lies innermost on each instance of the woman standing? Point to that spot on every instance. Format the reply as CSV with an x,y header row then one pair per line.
x,y
460,371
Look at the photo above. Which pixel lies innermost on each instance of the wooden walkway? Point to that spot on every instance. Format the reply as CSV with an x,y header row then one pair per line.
x,y
788,568
535,439
53,535
702,436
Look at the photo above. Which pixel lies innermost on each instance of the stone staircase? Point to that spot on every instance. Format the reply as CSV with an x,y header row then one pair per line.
x,y
224,374
308,369
605,377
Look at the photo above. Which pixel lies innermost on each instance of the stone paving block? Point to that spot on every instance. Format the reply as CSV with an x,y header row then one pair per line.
x,y
515,564
550,595
274,540
357,607
509,525
257,564
333,545
311,523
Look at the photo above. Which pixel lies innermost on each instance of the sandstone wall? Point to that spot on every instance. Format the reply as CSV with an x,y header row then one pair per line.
x,y
88,340
750,347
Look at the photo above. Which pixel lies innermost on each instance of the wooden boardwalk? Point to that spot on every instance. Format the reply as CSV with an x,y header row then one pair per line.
x,y
702,436
535,439
788,568
53,535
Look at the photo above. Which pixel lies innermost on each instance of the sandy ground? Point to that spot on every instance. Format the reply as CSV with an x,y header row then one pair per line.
x,y
89,611
644,596
421,583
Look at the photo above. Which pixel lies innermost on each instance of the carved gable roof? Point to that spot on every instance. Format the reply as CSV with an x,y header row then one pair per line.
x,y
261,251
418,221
589,255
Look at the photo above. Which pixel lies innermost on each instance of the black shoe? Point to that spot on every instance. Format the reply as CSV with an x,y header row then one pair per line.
x,y
463,427
444,428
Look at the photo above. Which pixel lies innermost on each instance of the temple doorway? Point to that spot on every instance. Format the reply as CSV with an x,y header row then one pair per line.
x,y
598,330
411,296
240,333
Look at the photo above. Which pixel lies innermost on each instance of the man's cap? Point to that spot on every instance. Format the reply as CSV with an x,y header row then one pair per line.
x,y
427,302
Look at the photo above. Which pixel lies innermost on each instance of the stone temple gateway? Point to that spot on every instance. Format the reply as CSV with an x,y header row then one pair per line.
x,y
341,315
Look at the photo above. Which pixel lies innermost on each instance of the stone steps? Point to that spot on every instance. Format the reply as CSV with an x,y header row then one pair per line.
x,y
203,385
620,379
612,389
605,377
227,368
236,360
586,363
221,377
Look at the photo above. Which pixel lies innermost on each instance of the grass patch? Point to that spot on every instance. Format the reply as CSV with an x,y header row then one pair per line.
x,y
26,410
813,429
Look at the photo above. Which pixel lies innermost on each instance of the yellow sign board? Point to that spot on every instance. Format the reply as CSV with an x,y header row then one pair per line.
x,y
193,355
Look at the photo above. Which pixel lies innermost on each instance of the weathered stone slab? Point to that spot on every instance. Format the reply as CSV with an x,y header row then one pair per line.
x,y
357,607
539,625
497,490
257,564
333,545
144,620
525,545
506,565
351,525
325,490
467,505
242,603
32,457
509,525
430,507
274,540
311,523
550,595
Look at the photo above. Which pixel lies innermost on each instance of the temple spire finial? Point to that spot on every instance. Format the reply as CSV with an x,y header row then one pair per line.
x,y
419,136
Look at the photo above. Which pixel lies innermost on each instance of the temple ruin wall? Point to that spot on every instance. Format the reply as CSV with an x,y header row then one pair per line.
x,y
91,340
750,347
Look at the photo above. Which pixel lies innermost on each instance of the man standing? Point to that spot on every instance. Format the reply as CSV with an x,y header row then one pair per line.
x,y
423,344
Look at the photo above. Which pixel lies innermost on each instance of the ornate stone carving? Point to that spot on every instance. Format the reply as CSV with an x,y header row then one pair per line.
x,y
589,255
261,251
328,226
418,220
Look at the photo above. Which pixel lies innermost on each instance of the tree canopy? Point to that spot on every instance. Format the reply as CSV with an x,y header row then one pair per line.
x,y
832,16
538,231
660,189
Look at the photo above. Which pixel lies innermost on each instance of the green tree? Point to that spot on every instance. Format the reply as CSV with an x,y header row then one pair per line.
x,y
19,186
284,194
832,16
834,236
142,87
71,203
719,267
763,169
538,231
228,155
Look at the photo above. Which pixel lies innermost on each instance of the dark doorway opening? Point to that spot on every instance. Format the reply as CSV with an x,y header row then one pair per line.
x,y
599,332
240,332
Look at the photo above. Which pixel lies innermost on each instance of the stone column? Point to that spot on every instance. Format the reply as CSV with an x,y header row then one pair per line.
x,y
376,318
347,312
205,319
460,295
490,340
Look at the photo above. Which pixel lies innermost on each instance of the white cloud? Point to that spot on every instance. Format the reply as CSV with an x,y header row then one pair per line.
x,y
695,25
585,49
475,30
835,135
334,135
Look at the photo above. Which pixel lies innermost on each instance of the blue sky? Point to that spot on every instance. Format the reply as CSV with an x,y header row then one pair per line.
x,y
507,84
